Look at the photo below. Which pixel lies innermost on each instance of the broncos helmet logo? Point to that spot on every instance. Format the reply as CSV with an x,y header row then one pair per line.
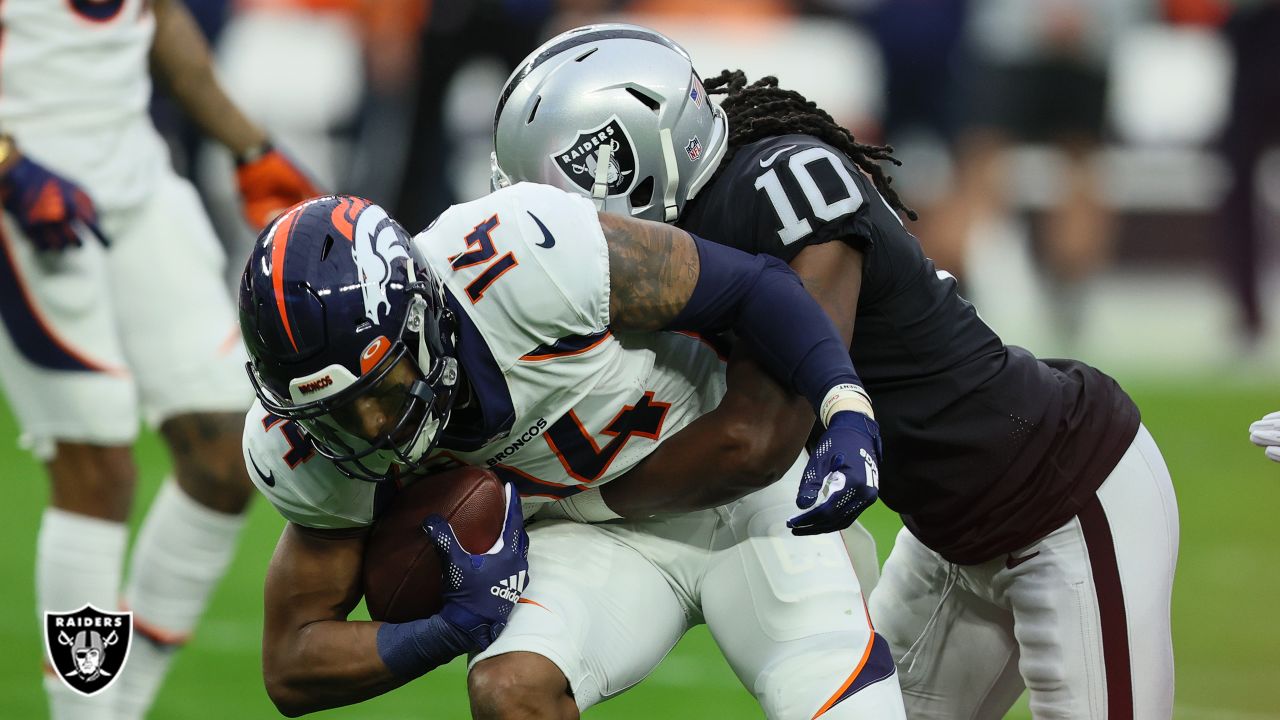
x,y
373,248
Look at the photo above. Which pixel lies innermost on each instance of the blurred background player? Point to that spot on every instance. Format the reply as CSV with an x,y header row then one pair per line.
x,y
381,120
1035,74
114,310
1251,132
268,56
1004,468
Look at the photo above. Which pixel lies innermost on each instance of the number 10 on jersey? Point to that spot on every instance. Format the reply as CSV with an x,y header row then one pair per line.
x,y
795,227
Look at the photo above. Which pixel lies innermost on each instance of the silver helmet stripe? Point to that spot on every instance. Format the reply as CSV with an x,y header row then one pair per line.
x,y
671,211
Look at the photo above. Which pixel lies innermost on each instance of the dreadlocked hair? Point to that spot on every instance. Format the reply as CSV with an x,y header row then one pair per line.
x,y
762,109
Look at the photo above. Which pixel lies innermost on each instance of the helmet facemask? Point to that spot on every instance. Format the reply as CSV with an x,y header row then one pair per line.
x,y
424,404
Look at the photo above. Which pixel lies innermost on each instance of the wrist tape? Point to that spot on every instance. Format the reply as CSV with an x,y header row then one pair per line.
x,y
845,396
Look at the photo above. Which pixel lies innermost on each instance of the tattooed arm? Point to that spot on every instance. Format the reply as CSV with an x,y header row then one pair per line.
x,y
653,270
664,278
754,435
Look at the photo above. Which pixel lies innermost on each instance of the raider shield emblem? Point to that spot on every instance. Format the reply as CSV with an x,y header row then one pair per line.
x,y
88,648
578,161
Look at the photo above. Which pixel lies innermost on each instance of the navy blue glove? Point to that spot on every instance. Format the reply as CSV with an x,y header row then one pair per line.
x,y
54,213
842,477
481,590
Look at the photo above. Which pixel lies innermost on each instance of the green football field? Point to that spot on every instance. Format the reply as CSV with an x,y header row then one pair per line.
x,y
1225,609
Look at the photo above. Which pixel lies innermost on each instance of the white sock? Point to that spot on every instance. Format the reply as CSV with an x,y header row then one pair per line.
x,y
78,562
181,553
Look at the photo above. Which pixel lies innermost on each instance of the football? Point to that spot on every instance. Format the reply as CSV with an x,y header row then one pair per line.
x,y
401,569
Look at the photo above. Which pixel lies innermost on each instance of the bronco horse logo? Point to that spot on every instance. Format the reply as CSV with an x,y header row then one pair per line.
x,y
373,248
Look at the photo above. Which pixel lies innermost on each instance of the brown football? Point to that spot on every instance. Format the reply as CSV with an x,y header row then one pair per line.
x,y
401,571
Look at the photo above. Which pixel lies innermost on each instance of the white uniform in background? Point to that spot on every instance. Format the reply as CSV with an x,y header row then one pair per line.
x,y
95,339
568,405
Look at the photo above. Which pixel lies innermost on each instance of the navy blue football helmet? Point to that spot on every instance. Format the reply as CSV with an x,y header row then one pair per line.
x,y
333,297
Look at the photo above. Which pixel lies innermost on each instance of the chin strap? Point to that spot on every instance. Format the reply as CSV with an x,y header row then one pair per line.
x,y
600,189
497,178
670,209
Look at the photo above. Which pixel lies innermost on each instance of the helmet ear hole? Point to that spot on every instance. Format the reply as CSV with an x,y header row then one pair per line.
x,y
643,194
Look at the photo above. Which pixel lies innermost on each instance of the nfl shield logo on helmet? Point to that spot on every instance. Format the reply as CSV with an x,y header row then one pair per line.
x,y
88,648
693,148
578,161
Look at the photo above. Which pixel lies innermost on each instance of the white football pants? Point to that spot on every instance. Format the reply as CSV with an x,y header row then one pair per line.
x,y
607,601
1080,617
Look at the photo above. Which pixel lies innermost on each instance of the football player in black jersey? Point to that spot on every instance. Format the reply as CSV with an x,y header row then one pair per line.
x,y
1041,528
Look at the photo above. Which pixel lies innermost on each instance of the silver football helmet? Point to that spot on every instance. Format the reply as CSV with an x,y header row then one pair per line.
x,y
615,112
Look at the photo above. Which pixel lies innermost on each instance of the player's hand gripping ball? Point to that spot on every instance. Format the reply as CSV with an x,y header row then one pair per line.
x,y
270,184
842,477
481,590
402,571
53,212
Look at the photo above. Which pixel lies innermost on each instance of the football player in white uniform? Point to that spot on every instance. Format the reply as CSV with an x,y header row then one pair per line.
x,y
525,333
114,310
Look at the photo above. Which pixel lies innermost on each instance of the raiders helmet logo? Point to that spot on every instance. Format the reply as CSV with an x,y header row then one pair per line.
x,y
88,648
578,161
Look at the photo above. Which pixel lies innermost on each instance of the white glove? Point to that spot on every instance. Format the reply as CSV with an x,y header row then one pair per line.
x,y
1266,433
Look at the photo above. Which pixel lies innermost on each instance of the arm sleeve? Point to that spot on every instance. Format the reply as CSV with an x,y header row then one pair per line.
x,y
763,301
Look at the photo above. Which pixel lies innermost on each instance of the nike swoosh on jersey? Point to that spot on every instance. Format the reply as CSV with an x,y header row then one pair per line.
x,y
550,240
769,160
1012,562
268,478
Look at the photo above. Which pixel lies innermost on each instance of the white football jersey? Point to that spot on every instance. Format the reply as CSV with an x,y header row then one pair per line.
x,y
565,403
74,88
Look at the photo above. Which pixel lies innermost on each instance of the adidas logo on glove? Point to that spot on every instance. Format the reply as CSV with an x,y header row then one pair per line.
x,y
511,588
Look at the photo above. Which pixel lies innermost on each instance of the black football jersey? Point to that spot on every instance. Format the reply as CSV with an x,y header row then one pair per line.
x,y
986,448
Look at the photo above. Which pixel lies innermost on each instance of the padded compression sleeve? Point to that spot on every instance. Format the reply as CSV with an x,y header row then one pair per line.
x,y
763,301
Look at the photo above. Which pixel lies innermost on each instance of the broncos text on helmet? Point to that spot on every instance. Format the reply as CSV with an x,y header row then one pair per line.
x,y
564,119
331,301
